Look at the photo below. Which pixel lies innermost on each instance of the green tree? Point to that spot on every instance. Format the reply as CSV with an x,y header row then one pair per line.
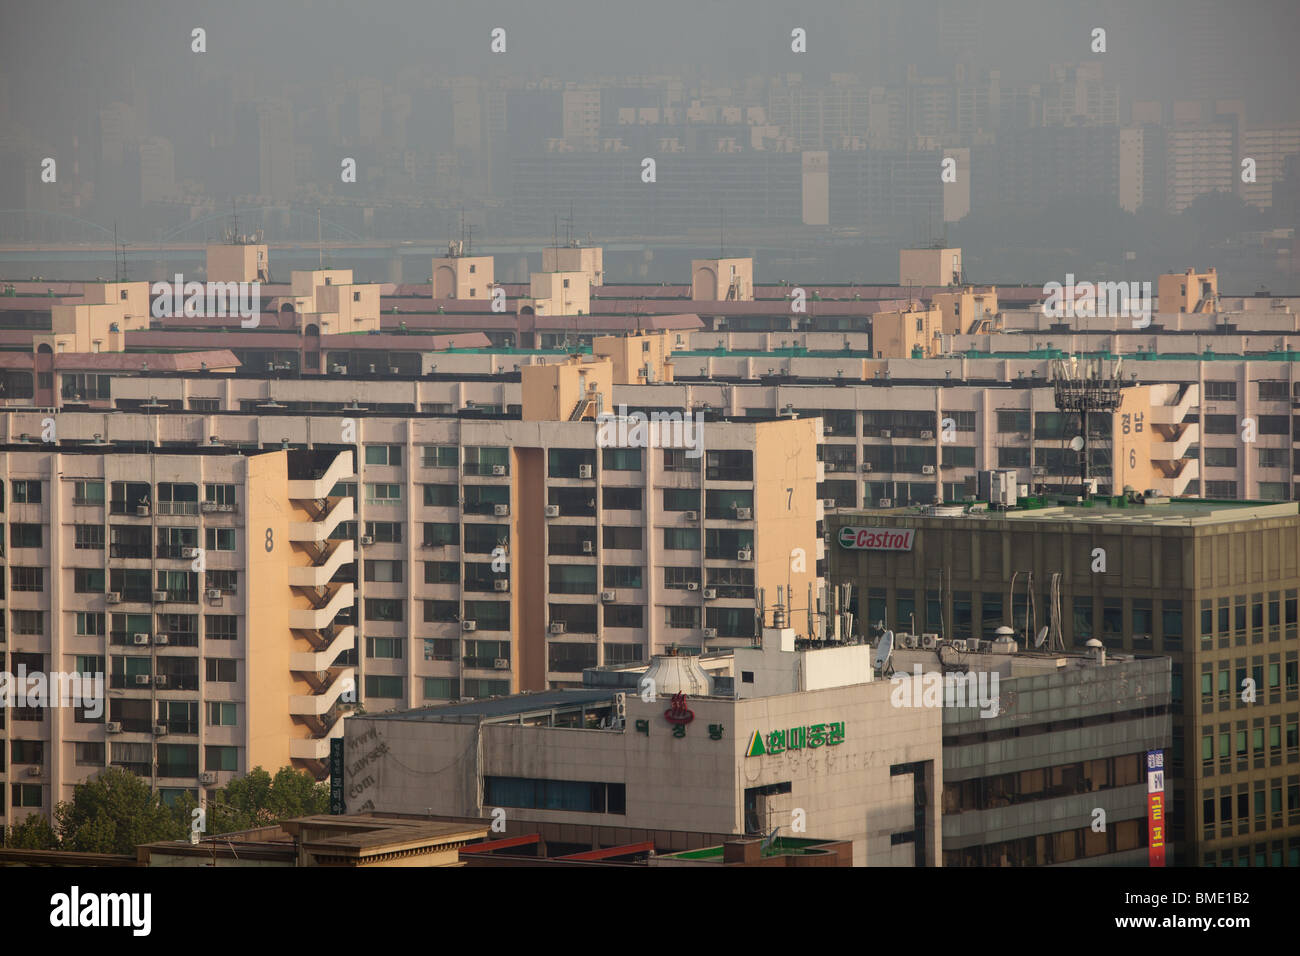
x,y
34,833
114,813
260,800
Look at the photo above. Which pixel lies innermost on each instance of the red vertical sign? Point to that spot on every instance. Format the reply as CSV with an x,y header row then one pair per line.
x,y
1156,823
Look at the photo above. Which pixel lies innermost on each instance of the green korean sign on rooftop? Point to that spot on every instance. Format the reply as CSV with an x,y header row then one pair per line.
x,y
809,737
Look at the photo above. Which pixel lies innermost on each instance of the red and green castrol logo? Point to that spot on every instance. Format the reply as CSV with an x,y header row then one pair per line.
x,y
876,539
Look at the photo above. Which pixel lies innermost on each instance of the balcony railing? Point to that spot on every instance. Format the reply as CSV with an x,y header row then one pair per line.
x,y
486,470
178,507
485,662
181,681
128,550
173,551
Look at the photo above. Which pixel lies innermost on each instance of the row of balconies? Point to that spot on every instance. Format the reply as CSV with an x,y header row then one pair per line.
x,y
169,508
159,681
215,597
205,778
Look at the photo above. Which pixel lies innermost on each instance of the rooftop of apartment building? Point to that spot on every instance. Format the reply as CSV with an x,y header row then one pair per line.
x,y
1117,510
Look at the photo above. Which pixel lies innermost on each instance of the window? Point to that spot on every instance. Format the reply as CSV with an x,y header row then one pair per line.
x,y
680,578
733,465
28,622
682,539
1220,457
221,670
441,572
88,537
681,499
569,462
88,581
439,688
440,456
28,579
623,653
90,624
389,532
220,495
623,576
676,459
439,649
1274,424
26,795
1220,391
26,492
621,459
622,499
486,538
380,686
565,795
385,648
221,627
683,618
383,454
221,758
439,534
88,493
486,688
26,536
441,612
1274,391
220,539
622,538
573,578
1013,421
441,496
383,494
382,609
1220,424
624,615
963,421
227,582
388,572
90,754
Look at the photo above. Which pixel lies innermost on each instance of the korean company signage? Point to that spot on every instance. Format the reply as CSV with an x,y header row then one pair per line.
x,y
336,776
810,737
1156,808
876,539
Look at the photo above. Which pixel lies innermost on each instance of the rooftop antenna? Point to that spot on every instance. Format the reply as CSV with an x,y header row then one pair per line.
x,y
568,226
320,248
1085,387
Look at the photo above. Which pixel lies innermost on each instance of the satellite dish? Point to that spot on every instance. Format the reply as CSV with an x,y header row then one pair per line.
x,y
884,649
1076,443
1042,636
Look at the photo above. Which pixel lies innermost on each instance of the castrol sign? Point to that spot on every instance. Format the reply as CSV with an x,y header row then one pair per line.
x,y
876,539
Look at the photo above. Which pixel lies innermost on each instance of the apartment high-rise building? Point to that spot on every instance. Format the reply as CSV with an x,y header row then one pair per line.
x,y
199,582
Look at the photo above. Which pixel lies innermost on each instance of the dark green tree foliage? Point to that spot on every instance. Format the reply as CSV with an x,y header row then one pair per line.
x,y
34,833
114,813
259,800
